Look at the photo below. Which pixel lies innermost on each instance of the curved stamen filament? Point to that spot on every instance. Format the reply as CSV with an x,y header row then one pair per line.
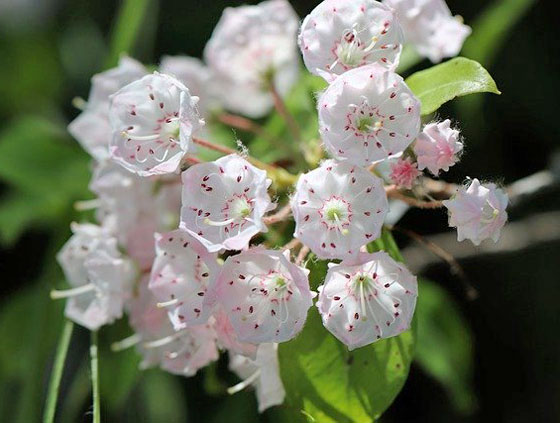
x,y
167,303
126,343
163,341
73,292
244,384
127,134
216,223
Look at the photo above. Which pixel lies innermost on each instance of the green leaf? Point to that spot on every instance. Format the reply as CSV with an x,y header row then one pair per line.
x,y
327,383
45,170
127,28
444,346
454,78
492,27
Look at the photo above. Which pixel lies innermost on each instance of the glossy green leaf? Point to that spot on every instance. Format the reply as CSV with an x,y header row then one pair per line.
x,y
444,346
454,78
327,383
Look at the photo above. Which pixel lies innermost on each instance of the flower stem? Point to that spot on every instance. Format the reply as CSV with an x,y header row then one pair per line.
x,y
393,192
58,368
95,377
281,215
284,113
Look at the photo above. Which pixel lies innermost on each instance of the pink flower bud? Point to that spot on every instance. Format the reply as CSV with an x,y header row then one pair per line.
x,y
404,172
438,147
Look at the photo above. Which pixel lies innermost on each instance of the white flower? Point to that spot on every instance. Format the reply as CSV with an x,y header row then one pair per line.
x,y
478,211
429,26
101,278
153,120
339,35
250,47
224,202
438,147
368,114
265,296
263,373
181,275
227,338
196,76
337,208
92,128
367,299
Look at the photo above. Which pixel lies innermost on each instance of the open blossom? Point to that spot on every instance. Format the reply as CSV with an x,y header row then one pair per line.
x,y
478,211
339,35
153,120
224,202
368,114
195,75
251,47
92,128
367,299
404,172
227,337
429,26
101,278
438,147
265,296
263,373
338,208
181,274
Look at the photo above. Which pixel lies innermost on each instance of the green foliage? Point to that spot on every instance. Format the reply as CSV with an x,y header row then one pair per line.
x,y
45,171
163,397
126,29
454,78
444,346
327,383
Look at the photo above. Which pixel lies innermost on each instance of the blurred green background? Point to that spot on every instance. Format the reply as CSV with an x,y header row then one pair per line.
x,y
494,358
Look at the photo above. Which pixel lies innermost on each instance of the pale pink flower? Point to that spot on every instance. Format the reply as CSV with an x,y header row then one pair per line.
x,y
92,128
100,277
181,275
339,35
190,350
368,114
367,299
478,211
153,120
263,373
227,338
429,26
224,202
438,147
250,47
338,208
265,296
404,172
195,75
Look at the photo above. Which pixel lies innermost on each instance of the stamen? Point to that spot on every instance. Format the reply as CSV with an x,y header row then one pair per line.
x,y
163,341
126,343
73,292
215,223
87,204
167,303
153,137
244,384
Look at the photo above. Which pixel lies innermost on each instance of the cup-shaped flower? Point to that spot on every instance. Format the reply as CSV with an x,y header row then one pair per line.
x,y
92,128
367,299
368,114
224,202
265,296
181,274
227,337
101,278
252,47
404,172
478,211
429,26
152,120
263,373
438,147
338,208
339,35
196,76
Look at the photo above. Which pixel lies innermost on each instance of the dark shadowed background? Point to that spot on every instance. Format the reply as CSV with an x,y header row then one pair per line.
x,y
48,51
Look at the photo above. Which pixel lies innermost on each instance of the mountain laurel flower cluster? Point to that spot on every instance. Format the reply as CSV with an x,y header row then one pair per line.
x,y
208,255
